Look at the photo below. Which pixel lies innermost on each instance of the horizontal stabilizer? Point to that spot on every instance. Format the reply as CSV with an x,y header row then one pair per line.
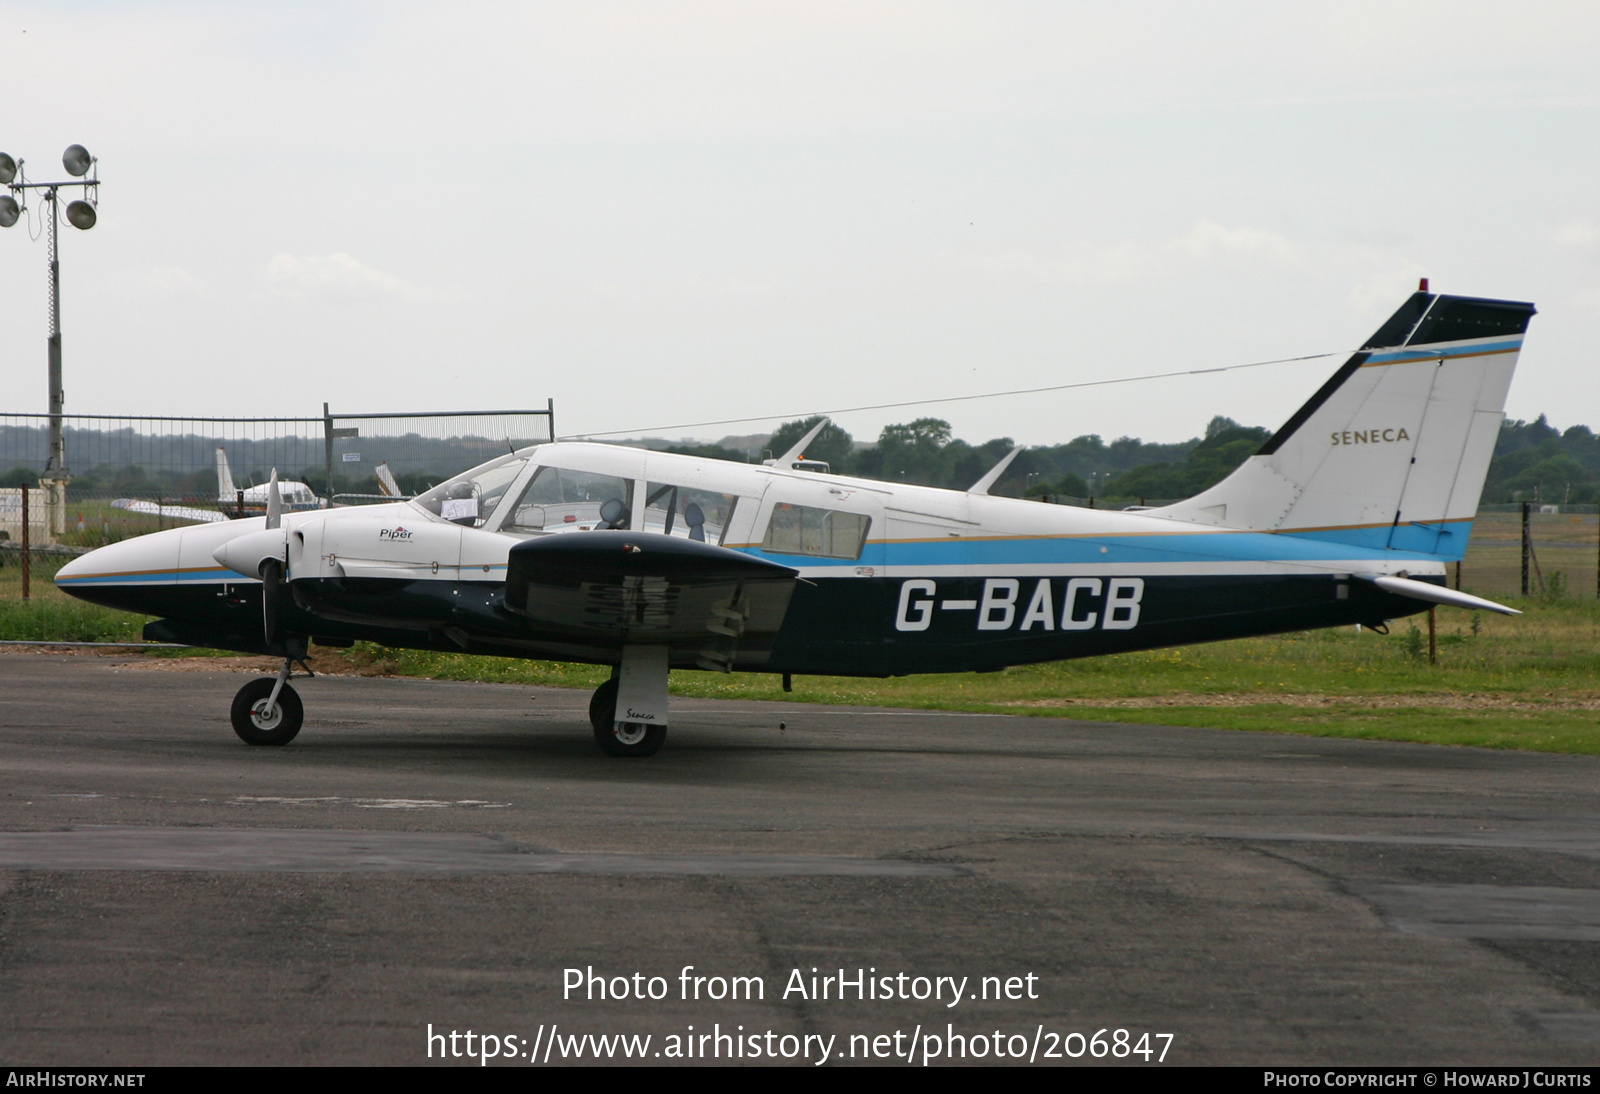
x,y
1435,594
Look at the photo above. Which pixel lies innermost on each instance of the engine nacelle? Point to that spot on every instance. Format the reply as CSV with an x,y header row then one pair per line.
x,y
383,546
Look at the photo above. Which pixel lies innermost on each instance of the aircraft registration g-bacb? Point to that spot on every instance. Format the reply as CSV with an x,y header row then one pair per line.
x,y
647,561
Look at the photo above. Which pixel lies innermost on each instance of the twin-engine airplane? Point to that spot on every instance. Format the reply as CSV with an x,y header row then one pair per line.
x,y
647,562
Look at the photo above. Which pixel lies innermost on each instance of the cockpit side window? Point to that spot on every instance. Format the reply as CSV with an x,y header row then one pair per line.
x,y
562,499
823,533
688,513
469,499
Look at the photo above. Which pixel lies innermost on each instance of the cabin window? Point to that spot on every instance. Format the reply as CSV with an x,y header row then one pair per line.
x,y
686,512
561,499
822,533
469,499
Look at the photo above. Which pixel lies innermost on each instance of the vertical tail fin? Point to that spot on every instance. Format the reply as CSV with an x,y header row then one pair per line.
x,y
1392,451
274,502
226,491
386,481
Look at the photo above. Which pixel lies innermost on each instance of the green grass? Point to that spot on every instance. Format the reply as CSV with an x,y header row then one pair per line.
x,y
50,619
41,570
1564,543
49,615
1528,682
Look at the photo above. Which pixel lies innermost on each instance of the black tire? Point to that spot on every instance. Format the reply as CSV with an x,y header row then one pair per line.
x,y
255,730
636,738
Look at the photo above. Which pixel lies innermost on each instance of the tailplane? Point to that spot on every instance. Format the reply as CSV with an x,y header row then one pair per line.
x,y
1393,450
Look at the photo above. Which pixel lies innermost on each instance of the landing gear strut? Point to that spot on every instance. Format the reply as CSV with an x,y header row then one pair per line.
x,y
621,738
268,711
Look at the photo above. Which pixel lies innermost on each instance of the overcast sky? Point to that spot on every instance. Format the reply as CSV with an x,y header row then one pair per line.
x,y
668,213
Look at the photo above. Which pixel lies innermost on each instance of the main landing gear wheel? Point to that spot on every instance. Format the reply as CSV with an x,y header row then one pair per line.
x,y
256,723
628,739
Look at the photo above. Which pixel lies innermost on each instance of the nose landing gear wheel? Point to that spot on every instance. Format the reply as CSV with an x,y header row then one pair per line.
x,y
256,723
628,739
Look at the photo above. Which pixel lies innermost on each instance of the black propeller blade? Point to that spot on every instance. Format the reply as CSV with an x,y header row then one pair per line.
x,y
272,600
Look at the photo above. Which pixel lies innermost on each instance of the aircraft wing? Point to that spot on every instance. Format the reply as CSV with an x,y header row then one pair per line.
x,y
711,606
171,512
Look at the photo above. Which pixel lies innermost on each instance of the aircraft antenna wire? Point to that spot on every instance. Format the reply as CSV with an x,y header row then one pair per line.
x,y
645,431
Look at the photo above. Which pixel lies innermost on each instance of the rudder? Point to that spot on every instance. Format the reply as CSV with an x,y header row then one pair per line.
x,y
1392,451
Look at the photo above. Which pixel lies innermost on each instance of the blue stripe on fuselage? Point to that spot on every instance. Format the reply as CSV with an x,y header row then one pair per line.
x,y
161,577
1442,540
1413,543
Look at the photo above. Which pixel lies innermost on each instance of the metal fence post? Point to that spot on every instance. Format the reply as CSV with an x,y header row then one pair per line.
x,y
1527,545
327,449
27,546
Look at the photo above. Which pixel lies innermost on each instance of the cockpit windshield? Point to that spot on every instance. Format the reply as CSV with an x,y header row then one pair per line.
x,y
468,499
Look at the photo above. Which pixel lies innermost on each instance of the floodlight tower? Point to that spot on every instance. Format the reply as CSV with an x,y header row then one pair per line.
x,y
81,215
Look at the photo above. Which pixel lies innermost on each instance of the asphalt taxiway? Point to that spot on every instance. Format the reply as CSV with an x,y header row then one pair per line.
x,y
439,854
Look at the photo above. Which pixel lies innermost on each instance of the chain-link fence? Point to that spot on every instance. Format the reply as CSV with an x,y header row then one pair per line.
x,y
1558,557
127,475
417,451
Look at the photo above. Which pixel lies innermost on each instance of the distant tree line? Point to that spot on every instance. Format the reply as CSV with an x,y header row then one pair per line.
x,y
1533,461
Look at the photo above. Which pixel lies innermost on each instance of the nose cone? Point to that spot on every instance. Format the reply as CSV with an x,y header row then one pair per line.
x,y
133,575
245,554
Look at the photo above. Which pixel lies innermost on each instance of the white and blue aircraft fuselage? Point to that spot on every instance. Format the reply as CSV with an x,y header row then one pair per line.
x,y
649,561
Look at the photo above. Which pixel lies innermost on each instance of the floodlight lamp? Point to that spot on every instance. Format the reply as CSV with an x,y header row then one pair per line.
x,y
76,160
8,169
81,215
9,211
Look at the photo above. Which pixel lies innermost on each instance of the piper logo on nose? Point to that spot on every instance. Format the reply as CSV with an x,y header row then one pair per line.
x,y
394,533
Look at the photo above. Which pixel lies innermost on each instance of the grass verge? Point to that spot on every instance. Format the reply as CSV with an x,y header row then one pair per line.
x,y
1526,682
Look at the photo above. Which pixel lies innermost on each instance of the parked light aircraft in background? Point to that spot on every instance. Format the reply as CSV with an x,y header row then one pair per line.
x,y
231,502
648,561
